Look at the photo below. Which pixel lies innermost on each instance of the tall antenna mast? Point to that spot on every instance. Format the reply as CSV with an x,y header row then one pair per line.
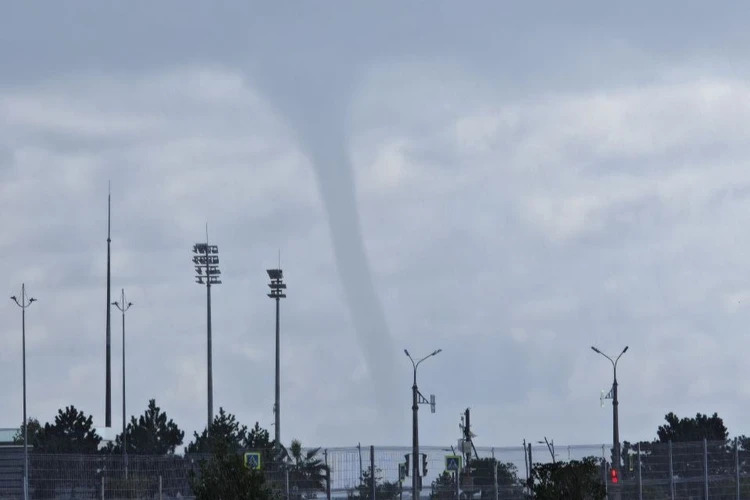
x,y
108,395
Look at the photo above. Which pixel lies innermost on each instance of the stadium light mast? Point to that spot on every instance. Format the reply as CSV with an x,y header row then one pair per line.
x,y
24,302
206,260
108,362
123,306
616,459
418,399
278,289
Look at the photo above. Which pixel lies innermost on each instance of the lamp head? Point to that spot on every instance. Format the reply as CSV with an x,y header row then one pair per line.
x,y
437,352
130,304
405,351
32,299
625,350
596,350
13,298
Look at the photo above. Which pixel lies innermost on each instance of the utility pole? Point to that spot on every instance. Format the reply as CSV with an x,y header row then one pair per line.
x,y
123,307
108,390
278,287
616,459
206,261
418,399
23,303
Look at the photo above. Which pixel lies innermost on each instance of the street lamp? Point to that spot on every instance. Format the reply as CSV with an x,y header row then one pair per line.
x,y
206,260
278,287
613,395
418,399
23,303
123,307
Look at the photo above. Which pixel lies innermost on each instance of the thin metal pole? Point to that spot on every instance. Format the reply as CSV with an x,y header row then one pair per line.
x,y
372,472
494,475
671,472
277,422
25,421
286,481
705,467
737,465
23,303
124,413
123,307
328,475
415,439
209,363
108,390
640,477
616,421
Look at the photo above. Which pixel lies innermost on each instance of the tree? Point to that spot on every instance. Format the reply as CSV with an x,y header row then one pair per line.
x,y
225,431
224,477
483,477
692,429
72,432
307,472
384,490
35,428
574,480
151,434
444,487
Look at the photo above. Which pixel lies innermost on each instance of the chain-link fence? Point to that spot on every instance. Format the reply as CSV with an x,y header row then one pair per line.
x,y
649,471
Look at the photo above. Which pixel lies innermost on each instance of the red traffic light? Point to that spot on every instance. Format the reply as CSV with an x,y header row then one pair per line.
x,y
613,476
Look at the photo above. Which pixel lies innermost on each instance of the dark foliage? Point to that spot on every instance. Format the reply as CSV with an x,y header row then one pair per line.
x,y
152,434
225,477
574,480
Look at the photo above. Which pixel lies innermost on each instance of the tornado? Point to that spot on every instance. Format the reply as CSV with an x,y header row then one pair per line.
x,y
316,109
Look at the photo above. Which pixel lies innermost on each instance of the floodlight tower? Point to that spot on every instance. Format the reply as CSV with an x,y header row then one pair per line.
x,y
206,260
278,287
23,303
123,306
418,399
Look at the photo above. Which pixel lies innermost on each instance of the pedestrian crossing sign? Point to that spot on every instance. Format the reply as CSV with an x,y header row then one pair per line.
x,y
453,463
252,460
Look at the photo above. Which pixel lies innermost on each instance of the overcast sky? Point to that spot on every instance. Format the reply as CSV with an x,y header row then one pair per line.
x,y
511,184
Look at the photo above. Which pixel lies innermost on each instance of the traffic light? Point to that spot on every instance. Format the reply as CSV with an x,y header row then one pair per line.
x,y
402,472
407,463
613,475
424,464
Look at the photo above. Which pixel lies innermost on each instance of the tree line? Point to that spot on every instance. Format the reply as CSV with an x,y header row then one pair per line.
x,y
222,444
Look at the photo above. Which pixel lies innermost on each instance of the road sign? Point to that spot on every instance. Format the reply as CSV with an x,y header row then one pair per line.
x,y
453,463
252,460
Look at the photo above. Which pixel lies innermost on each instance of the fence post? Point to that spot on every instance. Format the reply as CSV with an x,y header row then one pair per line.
x,y
286,482
640,478
737,465
102,486
604,471
328,475
494,475
671,472
160,487
705,467
372,472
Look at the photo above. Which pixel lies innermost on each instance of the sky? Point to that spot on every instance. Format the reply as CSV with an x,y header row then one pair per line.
x,y
508,182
